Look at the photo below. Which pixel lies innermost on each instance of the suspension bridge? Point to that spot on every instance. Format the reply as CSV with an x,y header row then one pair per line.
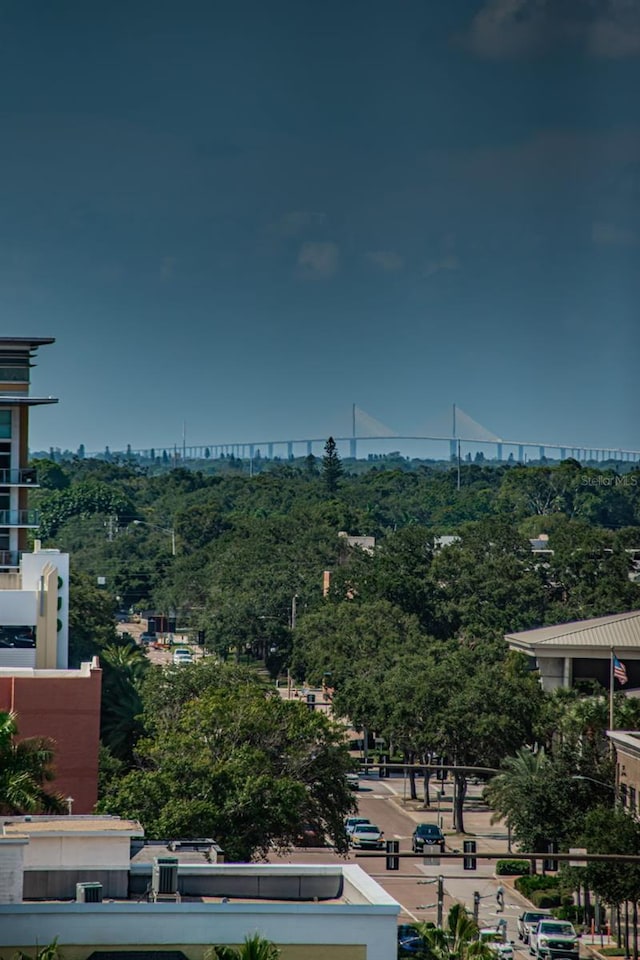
x,y
452,436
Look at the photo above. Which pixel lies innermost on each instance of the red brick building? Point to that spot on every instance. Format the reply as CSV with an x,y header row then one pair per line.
x,y
65,706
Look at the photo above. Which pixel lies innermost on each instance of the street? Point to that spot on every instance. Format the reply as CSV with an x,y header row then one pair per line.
x,y
414,885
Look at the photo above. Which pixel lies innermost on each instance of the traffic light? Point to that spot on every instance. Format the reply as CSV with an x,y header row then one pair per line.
x,y
469,863
552,865
393,860
476,906
500,899
201,636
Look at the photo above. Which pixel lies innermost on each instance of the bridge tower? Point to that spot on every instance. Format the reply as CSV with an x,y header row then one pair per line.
x,y
353,453
453,443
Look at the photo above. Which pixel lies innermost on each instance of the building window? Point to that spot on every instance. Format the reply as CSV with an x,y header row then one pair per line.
x,y
632,799
5,423
623,794
18,636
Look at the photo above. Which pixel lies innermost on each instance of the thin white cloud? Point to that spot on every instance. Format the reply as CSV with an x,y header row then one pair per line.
x,y
449,262
611,235
386,260
318,259
510,29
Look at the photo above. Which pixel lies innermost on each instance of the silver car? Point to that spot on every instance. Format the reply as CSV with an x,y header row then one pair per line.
x,y
366,836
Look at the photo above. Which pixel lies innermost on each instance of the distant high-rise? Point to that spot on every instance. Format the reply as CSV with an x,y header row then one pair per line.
x,y
16,478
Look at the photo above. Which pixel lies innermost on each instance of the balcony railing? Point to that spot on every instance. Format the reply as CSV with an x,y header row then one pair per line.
x,y
26,477
19,518
9,558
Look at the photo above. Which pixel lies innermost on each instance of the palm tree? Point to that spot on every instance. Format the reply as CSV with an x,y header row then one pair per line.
x,y
25,767
507,791
253,948
457,941
50,952
124,670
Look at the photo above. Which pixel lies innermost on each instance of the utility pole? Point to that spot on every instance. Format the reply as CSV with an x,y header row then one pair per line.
x,y
440,902
184,440
458,464
294,610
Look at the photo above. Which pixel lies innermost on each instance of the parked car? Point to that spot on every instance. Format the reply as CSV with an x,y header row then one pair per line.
x,y
366,836
353,781
182,656
352,822
427,835
310,836
147,638
528,920
554,939
409,940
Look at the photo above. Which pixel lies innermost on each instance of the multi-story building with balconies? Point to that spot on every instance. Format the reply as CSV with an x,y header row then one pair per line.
x,y
16,478
35,683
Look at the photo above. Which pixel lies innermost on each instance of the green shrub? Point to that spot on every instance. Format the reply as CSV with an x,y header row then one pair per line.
x,y
545,899
569,911
512,868
527,885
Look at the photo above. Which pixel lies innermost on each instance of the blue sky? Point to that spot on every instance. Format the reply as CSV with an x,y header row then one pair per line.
x,y
249,215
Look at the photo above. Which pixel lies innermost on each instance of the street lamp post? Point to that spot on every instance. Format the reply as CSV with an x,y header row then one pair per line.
x,y
169,530
601,783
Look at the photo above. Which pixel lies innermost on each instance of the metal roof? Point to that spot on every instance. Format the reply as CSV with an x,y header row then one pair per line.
x,y
620,631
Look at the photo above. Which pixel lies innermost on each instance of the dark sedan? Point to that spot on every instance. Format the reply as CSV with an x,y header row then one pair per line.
x,y
427,836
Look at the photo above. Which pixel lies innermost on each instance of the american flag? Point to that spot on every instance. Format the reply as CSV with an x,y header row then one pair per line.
x,y
619,671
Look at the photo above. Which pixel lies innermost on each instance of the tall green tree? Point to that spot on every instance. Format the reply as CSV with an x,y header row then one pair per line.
x,y
124,669
226,757
331,467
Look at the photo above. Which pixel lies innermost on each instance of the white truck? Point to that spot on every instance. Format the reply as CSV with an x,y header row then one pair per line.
x,y
554,940
528,920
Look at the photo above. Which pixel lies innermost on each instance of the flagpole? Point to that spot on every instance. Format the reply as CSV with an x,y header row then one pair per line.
x,y
611,697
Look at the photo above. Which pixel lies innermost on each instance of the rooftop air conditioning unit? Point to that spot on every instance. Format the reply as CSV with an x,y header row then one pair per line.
x,y
164,878
88,893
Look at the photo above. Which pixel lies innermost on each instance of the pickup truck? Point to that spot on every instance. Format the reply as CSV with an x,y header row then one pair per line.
x,y
528,920
554,939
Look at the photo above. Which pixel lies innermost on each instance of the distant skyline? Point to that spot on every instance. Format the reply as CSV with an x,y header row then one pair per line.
x,y
249,216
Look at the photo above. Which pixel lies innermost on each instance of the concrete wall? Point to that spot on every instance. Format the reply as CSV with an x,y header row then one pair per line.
x,y
305,931
18,607
50,564
11,867
70,851
247,883
552,672
61,884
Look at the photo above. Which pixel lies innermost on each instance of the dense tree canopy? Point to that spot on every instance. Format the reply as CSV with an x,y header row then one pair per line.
x,y
409,636
257,767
